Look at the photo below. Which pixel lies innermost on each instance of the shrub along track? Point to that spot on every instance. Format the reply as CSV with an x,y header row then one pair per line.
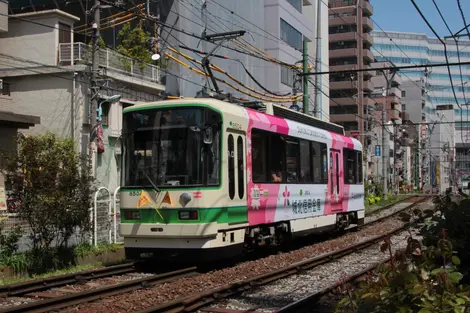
x,y
103,292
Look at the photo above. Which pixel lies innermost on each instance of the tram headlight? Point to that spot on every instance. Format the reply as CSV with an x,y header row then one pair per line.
x,y
188,215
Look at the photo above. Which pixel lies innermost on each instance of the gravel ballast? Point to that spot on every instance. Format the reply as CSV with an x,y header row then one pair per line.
x,y
285,291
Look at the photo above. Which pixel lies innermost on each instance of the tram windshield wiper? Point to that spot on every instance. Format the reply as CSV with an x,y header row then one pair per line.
x,y
151,181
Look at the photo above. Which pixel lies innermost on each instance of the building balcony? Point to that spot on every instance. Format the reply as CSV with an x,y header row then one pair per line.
x,y
80,53
342,20
366,37
369,102
395,91
343,118
367,55
393,99
393,115
369,73
368,86
349,36
343,85
367,23
346,67
367,8
343,53
342,101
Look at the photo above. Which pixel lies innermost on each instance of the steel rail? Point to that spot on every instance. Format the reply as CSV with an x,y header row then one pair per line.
x,y
98,293
295,306
198,300
19,289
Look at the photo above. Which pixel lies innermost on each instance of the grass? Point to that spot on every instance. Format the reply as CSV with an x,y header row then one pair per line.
x,y
373,207
79,251
69,270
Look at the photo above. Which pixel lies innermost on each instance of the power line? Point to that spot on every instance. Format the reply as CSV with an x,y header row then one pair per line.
x,y
445,49
390,68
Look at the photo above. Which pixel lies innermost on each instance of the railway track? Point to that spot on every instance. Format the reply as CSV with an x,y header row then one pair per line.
x,y
63,301
196,301
72,299
37,285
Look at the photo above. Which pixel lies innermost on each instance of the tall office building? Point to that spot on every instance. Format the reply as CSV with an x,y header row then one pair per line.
x,y
413,49
350,44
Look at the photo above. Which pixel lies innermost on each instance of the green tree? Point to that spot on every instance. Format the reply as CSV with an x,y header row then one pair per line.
x,y
54,186
134,44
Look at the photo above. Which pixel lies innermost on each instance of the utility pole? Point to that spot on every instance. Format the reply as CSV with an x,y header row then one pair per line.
x,y
394,179
95,59
385,154
384,151
317,109
305,77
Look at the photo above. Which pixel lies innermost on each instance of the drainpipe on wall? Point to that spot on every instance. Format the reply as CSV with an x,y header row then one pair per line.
x,y
72,107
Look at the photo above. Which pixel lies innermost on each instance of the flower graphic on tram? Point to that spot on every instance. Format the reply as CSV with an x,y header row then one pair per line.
x,y
255,197
286,195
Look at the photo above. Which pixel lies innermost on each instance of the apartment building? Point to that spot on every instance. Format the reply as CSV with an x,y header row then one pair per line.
x,y
350,44
47,72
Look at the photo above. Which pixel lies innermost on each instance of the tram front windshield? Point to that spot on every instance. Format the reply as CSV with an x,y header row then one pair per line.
x,y
165,147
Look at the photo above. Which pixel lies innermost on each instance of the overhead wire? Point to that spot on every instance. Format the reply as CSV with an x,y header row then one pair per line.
x,y
458,56
445,48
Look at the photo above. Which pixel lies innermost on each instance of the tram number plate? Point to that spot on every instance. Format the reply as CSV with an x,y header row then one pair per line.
x,y
135,193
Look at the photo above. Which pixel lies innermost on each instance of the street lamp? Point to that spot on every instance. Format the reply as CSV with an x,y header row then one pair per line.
x,y
111,99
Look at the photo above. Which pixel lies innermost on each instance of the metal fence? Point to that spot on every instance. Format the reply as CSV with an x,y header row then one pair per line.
x,y
104,217
80,53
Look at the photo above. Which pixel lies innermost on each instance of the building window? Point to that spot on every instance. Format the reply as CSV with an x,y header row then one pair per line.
x,y
291,35
403,107
287,76
297,4
403,93
348,2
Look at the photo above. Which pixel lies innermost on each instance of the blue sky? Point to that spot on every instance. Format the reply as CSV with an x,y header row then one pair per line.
x,y
401,15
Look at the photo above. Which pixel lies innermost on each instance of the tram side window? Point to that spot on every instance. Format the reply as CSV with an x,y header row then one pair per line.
x,y
319,157
276,158
305,164
268,154
292,161
352,167
359,168
259,147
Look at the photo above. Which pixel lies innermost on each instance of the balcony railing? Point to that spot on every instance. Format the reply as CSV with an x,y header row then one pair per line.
x,y
81,53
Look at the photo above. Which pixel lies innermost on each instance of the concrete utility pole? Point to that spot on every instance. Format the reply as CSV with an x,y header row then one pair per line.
x,y
95,59
317,108
305,77
385,154
384,158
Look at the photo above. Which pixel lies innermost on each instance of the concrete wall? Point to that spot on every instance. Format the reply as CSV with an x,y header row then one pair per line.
x,y
29,44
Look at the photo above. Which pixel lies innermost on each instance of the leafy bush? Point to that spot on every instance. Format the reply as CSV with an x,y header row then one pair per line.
x,y
134,44
9,255
422,278
55,186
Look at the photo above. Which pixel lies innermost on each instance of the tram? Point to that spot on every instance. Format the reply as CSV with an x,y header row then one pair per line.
x,y
207,179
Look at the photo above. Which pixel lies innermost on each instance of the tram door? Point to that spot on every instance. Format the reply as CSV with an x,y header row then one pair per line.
x,y
236,168
335,180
